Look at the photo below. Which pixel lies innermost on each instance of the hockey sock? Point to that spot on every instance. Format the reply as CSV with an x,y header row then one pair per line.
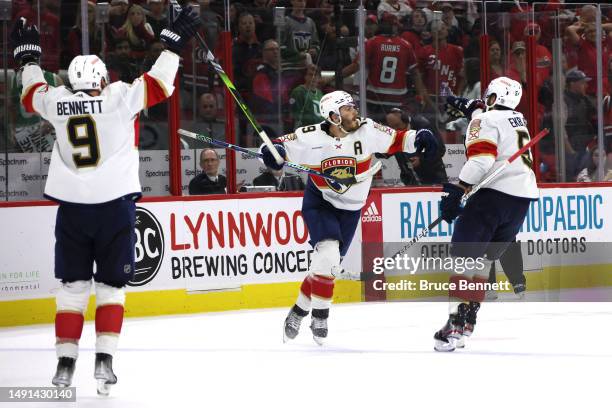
x,y
304,296
71,303
109,317
322,291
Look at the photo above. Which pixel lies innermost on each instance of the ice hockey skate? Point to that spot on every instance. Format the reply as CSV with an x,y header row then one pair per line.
x,y
470,323
446,338
65,371
104,374
292,324
319,330
519,290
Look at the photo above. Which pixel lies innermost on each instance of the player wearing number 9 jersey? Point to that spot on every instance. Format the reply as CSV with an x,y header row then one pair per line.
x,y
94,176
493,215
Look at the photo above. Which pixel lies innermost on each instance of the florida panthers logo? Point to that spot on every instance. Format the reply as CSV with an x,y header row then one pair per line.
x,y
339,167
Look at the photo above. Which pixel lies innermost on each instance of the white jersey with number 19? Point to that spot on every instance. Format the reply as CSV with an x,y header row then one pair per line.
x,y
95,157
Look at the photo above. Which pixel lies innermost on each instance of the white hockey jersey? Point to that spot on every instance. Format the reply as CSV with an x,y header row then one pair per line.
x,y
95,156
352,154
491,138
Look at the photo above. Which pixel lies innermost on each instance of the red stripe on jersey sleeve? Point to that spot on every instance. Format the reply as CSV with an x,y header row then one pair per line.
x,y
29,96
137,130
481,148
154,91
364,165
398,143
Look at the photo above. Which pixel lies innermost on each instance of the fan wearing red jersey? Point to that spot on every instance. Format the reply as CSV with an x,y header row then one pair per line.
x,y
93,176
390,61
441,64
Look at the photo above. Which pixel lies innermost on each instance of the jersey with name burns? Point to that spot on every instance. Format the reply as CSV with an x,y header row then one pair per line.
x,y
95,157
492,137
315,147
389,60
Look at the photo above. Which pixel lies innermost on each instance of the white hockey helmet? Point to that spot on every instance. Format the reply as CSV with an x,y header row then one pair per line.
x,y
332,102
86,73
508,92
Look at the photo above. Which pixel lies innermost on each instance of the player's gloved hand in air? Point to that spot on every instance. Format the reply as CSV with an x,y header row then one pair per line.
x,y
25,42
463,107
450,206
269,160
426,143
182,28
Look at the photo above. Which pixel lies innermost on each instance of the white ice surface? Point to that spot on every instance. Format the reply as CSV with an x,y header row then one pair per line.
x,y
378,355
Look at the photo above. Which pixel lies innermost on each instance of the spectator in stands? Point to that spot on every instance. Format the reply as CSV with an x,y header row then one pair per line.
x,y
328,57
518,71
137,31
441,65
418,23
264,21
413,169
49,27
236,9
324,14
155,49
246,53
269,92
583,36
397,8
371,26
209,181
212,23
207,122
117,15
121,66
390,60
455,33
74,46
157,16
300,39
496,67
304,99
580,115
591,171
280,180
542,54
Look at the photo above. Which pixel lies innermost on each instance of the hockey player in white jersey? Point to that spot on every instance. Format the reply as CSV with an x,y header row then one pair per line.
x,y
494,214
342,146
93,176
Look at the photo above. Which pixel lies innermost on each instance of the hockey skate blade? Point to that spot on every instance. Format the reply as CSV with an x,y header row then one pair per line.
x,y
319,340
461,342
103,387
445,346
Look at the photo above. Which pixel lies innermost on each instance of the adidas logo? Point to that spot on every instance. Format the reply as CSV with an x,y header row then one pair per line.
x,y
371,214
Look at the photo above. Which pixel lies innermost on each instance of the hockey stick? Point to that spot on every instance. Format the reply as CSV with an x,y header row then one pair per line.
x,y
358,178
210,58
475,188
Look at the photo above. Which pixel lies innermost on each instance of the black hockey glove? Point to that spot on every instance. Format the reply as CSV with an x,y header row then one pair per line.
x,y
269,160
181,29
463,107
426,143
450,206
25,42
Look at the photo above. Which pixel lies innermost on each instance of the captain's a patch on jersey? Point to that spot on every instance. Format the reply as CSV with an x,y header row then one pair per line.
x,y
341,168
474,130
